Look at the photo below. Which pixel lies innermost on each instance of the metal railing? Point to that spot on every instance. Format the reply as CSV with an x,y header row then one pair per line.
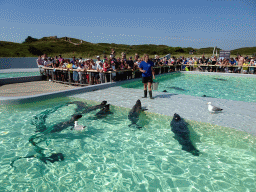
x,y
123,74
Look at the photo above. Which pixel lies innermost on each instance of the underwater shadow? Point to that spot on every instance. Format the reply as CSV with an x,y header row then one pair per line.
x,y
165,95
77,135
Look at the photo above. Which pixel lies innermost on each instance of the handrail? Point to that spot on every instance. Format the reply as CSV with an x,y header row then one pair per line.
x,y
177,67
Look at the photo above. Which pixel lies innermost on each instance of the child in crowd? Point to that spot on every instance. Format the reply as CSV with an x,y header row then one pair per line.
x,y
75,73
245,67
101,72
113,68
94,75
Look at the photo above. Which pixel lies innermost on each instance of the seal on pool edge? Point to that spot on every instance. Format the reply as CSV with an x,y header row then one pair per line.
x,y
182,134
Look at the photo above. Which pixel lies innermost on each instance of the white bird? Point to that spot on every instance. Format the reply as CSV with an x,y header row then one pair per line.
x,y
212,108
78,127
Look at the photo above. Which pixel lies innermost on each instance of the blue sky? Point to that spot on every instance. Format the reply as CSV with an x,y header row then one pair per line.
x,y
227,24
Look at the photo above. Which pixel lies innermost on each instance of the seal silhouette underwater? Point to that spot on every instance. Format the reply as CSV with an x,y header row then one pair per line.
x,y
52,158
177,88
220,79
182,134
39,122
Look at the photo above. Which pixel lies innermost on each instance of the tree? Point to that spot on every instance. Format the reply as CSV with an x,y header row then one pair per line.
x,y
179,50
30,39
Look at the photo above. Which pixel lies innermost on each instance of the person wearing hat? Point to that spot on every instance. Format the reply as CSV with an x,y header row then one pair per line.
x,y
98,61
146,67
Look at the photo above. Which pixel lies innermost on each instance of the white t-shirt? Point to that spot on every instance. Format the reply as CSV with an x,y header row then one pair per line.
x,y
97,63
46,62
100,68
80,72
39,62
94,67
64,65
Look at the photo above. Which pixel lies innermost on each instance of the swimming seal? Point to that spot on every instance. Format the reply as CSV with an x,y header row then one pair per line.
x,y
92,108
103,112
182,135
134,114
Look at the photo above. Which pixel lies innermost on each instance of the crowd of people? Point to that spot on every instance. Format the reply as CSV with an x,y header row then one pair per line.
x,y
122,68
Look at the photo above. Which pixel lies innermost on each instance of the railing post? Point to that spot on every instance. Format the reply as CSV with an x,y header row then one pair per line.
x,y
69,77
47,74
90,78
52,75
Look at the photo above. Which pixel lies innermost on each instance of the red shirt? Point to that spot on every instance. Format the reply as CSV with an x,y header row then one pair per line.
x,y
105,67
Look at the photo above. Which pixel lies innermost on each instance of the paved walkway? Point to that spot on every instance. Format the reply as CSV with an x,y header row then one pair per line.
x,y
236,114
19,70
32,88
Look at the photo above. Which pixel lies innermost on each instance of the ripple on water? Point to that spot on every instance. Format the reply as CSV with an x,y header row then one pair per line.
x,y
112,156
233,88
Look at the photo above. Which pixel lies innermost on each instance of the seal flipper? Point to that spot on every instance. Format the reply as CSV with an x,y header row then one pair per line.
x,y
135,125
144,109
11,164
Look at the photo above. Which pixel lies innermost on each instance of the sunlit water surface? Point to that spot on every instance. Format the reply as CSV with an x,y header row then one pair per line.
x,y
111,156
216,86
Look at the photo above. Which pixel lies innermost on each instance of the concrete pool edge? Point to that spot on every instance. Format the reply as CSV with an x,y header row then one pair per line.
x,y
4,81
236,115
20,99
63,93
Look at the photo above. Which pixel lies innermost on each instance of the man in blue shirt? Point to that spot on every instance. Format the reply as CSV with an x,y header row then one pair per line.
x,y
146,67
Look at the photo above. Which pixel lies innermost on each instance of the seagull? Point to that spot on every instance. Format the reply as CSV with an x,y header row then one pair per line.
x,y
212,108
78,127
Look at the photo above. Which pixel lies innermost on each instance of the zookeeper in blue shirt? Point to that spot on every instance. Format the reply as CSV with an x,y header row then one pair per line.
x,y
146,67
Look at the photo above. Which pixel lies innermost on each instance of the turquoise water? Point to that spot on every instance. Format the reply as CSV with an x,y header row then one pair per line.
x,y
18,74
111,156
216,86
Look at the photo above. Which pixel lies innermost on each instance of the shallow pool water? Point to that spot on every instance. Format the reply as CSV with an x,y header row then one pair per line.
x,y
111,156
216,86
18,74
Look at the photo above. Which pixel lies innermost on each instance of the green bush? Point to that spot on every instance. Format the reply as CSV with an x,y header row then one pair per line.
x,y
30,39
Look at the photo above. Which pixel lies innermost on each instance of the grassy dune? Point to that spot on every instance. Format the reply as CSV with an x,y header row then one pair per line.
x,y
53,47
